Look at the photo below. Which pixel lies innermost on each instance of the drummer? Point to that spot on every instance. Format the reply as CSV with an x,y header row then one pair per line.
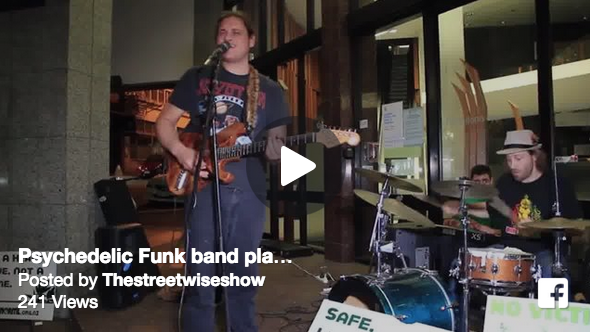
x,y
479,218
528,188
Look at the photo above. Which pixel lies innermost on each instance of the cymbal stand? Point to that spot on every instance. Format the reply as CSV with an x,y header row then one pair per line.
x,y
558,269
465,281
379,227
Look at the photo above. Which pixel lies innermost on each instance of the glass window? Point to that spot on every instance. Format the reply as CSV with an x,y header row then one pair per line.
x,y
317,12
479,98
571,77
295,19
393,85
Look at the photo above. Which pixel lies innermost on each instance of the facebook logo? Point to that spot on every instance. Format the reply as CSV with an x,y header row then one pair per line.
x,y
553,293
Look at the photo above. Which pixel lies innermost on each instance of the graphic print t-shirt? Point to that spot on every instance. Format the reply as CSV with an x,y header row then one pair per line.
x,y
231,102
534,202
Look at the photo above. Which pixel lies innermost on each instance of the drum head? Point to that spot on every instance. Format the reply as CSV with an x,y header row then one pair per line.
x,y
355,291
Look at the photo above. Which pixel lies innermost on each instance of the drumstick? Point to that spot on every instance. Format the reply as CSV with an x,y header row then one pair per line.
x,y
498,204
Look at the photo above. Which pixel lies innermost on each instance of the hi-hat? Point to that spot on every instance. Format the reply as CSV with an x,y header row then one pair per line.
x,y
473,190
557,223
394,207
394,181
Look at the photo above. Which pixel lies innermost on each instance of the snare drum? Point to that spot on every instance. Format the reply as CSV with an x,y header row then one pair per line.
x,y
508,267
411,295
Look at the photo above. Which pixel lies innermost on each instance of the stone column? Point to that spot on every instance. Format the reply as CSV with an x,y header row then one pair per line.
x,y
336,108
54,101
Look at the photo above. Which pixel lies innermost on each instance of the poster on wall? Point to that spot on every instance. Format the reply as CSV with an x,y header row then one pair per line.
x,y
402,127
393,125
24,302
413,127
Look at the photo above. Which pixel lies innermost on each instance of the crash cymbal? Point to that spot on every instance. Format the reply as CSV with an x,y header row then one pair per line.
x,y
429,200
394,207
473,190
557,223
394,181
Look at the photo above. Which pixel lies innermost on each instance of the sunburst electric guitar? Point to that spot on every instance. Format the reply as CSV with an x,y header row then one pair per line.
x,y
180,181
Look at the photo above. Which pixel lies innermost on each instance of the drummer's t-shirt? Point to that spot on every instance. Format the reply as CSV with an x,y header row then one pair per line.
x,y
532,202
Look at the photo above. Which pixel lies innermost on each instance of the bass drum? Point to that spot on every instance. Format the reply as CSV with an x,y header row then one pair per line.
x,y
411,295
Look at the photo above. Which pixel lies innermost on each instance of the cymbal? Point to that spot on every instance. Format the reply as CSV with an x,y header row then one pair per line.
x,y
473,191
429,200
394,207
557,223
394,181
459,229
410,225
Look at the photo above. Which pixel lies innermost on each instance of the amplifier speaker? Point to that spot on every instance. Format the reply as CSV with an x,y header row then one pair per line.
x,y
129,237
116,202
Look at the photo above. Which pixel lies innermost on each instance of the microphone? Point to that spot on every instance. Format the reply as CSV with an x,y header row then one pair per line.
x,y
221,48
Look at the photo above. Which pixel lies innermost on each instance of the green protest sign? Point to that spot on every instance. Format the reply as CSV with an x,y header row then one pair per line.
x,y
522,314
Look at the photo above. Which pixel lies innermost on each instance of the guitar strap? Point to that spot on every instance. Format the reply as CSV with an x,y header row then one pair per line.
x,y
252,92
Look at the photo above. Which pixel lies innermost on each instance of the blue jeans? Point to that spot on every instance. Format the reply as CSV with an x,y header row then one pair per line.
x,y
243,216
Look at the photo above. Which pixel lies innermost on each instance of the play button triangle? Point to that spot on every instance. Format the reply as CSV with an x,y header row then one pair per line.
x,y
293,166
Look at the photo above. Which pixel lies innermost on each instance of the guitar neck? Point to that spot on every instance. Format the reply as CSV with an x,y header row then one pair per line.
x,y
238,151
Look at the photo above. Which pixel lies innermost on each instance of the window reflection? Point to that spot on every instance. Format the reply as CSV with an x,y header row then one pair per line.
x,y
497,40
570,27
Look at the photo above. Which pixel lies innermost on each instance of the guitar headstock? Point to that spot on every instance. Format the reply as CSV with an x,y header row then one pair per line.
x,y
331,137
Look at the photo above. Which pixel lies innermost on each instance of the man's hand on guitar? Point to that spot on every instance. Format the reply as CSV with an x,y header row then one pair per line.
x,y
187,157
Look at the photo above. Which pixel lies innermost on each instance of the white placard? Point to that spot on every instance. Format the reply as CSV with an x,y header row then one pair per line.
x,y
393,125
509,314
10,290
413,127
337,317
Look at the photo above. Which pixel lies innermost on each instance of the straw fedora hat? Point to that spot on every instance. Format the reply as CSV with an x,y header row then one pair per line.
x,y
520,140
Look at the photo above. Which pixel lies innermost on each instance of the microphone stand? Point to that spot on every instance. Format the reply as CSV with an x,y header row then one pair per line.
x,y
210,133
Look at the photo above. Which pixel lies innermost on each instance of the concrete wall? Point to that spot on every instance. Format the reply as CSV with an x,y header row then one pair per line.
x,y
54,95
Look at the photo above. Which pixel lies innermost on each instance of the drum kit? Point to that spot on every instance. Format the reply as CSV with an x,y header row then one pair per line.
x,y
414,294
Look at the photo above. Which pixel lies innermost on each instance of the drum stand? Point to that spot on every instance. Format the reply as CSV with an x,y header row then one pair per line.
x,y
558,270
379,228
380,232
465,280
